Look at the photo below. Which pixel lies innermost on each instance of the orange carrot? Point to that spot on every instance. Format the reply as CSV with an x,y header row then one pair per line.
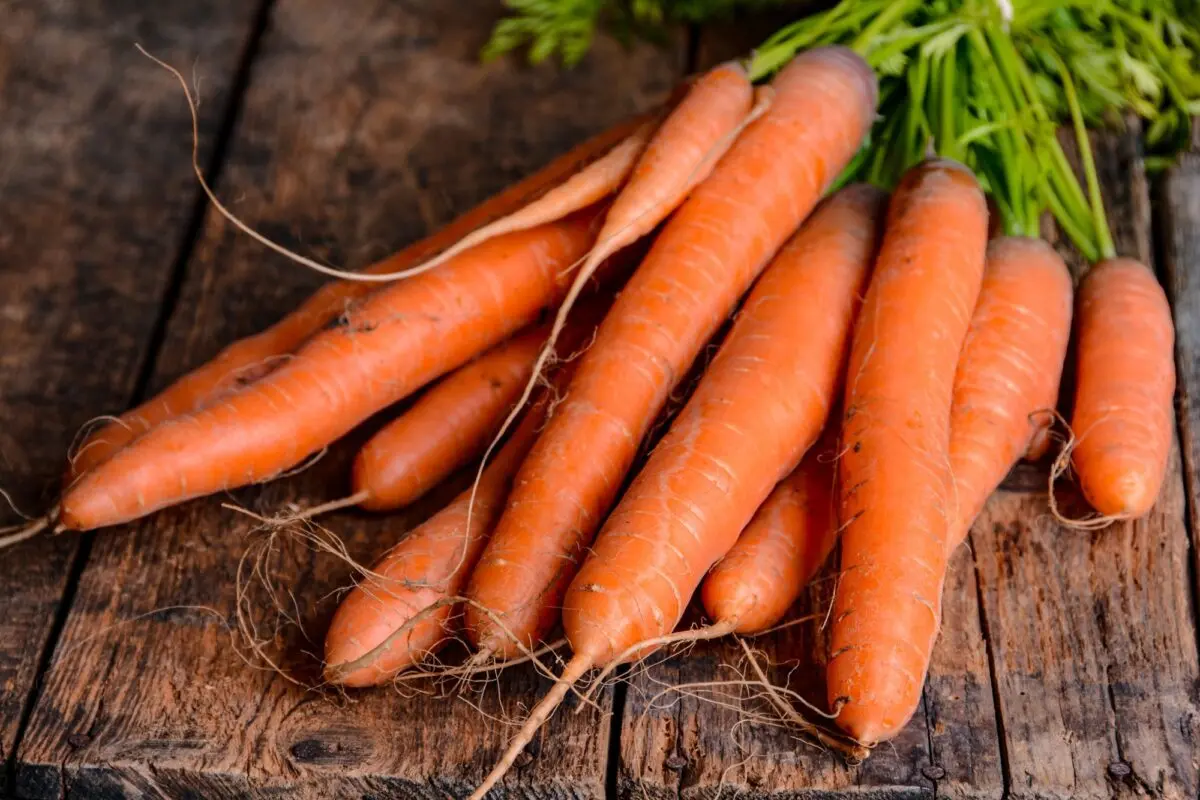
x,y
1123,413
706,256
368,642
1006,383
787,541
246,360
895,484
445,429
761,405
380,351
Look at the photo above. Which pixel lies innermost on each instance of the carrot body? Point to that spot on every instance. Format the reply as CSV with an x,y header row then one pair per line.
x,y
446,428
1006,384
396,341
781,549
895,483
429,565
1123,415
701,262
246,360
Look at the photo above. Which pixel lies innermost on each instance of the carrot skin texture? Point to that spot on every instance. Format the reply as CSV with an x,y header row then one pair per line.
x,y
248,359
894,479
1009,370
778,553
429,564
1123,415
760,406
707,254
447,427
380,351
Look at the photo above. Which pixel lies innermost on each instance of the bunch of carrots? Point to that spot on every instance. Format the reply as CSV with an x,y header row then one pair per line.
x,y
888,363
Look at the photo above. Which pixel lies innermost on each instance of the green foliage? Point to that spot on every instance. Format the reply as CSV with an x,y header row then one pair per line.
x,y
565,28
987,82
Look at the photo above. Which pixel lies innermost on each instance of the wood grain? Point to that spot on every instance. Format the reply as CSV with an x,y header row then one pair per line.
x,y
96,194
366,123
1092,635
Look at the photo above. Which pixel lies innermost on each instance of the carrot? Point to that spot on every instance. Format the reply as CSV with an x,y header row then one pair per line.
x,y
380,351
706,256
1123,414
1006,384
246,360
401,613
758,409
787,541
895,486
443,430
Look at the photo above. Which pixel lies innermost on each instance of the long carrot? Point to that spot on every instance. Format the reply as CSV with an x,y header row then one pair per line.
x,y
447,427
1006,383
895,486
246,360
367,642
704,259
760,406
1123,414
380,351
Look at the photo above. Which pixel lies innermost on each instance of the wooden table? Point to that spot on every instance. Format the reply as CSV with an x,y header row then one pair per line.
x,y
1068,662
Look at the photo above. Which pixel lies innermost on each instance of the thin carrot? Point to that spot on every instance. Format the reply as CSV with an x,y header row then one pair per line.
x,y
378,352
895,485
706,256
787,541
590,185
447,427
367,642
761,405
246,360
1006,383
1123,414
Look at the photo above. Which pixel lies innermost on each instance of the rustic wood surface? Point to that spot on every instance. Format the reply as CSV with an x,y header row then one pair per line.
x,y
97,202
1067,666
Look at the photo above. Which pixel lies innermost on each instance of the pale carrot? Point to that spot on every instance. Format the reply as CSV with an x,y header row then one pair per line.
x,y
246,360
706,256
380,351
1125,384
896,504
1006,383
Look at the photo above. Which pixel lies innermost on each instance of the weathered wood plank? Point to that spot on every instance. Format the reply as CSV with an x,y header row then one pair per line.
x,y
1178,217
1092,635
366,123
96,194
687,748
